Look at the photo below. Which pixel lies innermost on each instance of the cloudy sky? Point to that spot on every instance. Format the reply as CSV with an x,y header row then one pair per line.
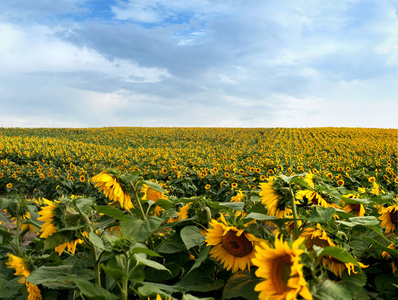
x,y
222,63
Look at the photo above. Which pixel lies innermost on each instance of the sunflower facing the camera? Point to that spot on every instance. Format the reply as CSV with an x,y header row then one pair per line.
x,y
233,247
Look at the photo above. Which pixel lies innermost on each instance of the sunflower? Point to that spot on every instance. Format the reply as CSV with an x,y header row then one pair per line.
x,y
183,213
276,203
20,266
387,256
337,266
389,218
319,237
239,197
282,270
47,216
112,189
356,209
151,194
71,245
233,247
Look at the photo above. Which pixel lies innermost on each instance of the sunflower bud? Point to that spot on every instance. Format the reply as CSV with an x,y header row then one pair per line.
x,y
122,245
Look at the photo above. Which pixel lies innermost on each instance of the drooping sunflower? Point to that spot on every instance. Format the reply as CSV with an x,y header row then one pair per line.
x,y
20,266
387,256
337,266
47,216
233,247
277,204
71,246
316,236
389,218
282,270
319,237
356,209
112,189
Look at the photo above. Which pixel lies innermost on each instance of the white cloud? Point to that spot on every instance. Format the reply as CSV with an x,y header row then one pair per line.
x,y
35,49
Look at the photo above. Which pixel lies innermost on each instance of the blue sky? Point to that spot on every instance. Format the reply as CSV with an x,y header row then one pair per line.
x,y
236,63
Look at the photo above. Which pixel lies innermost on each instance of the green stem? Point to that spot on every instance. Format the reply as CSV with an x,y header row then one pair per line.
x,y
137,199
208,214
125,284
18,237
97,268
294,208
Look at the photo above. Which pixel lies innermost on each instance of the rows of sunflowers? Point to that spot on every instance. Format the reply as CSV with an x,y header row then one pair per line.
x,y
198,213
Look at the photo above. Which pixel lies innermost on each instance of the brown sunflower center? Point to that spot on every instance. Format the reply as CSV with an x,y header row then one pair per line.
x,y
238,246
281,273
394,217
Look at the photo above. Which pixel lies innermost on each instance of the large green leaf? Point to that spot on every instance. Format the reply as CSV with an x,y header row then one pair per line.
x,y
96,241
331,291
9,288
163,203
191,236
154,186
142,260
353,282
377,245
321,215
58,238
141,230
201,258
92,290
338,253
110,211
45,274
241,284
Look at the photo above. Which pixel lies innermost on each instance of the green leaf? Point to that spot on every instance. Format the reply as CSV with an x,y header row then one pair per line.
x,y
58,238
191,236
233,205
110,211
384,282
152,289
241,284
141,230
340,254
365,221
45,274
354,282
115,274
163,203
173,245
355,201
145,250
9,288
96,241
321,215
150,263
331,291
201,258
259,216
92,290
154,186
191,297
377,245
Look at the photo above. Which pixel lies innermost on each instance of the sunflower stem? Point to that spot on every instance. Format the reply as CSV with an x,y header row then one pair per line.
x,y
137,199
208,214
294,208
125,283
18,225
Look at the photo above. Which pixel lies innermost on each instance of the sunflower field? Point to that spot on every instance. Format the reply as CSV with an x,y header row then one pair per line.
x,y
198,213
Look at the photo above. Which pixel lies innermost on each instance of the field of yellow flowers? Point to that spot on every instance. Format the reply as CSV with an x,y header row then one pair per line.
x,y
198,213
